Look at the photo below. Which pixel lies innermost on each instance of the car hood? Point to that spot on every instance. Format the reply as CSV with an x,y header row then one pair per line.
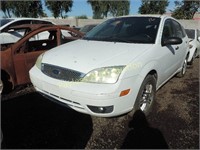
x,y
84,56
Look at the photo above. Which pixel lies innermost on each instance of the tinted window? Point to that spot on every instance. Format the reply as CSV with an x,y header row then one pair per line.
x,y
127,29
183,31
190,33
16,23
167,30
40,22
87,28
198,33
177,29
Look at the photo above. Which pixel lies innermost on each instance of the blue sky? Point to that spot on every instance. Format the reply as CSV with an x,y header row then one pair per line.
x,y
81,7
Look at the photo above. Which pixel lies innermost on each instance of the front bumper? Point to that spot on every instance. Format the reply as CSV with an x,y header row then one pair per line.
x,y
83,97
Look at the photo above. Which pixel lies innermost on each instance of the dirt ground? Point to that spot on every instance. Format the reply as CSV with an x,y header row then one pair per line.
x,y
173,122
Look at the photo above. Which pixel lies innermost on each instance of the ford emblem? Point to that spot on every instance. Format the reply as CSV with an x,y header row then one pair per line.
x,y
56,72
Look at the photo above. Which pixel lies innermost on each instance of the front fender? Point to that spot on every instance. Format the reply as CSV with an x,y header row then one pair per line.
x,y
149,68
140,70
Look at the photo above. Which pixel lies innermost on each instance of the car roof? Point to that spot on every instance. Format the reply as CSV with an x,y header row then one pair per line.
x,y
21,19
146,15
26,19
42,27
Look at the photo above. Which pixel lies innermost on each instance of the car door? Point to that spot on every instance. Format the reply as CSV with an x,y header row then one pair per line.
x,y
47,40
181,49
170,55
19,63
27,53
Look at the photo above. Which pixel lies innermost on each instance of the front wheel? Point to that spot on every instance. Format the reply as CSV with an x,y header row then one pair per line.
x,y
183,70
146,95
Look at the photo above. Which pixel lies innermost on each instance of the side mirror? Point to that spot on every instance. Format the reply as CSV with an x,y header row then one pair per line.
x,y
172,41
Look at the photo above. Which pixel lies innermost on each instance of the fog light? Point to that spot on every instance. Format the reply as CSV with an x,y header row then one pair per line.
x,y
101,109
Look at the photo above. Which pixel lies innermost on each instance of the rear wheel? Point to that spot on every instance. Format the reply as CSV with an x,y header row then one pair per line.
x,y
146,95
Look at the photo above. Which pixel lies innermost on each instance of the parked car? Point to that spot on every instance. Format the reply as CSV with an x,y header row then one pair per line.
x,y
7,24
116,67
15,33
17,59
87,28
194,43
76,28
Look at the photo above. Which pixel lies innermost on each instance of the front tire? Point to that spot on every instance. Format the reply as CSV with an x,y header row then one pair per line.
x,y
146,95
183,70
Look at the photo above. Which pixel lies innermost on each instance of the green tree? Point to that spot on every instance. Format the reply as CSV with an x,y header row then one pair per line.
x,y
23,8
96,8
6,7
120,8
59,7
101,8
185,9
153,7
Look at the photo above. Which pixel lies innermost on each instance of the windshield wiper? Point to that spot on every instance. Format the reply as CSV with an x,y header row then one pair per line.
x,y
117,39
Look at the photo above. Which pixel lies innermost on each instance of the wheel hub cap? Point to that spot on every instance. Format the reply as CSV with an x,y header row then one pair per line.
x,y
146,97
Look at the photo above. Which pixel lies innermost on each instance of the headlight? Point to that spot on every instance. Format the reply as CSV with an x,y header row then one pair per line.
x,y
104,75
39,61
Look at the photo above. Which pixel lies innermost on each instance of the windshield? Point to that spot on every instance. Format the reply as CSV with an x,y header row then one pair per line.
x,y
190,33
87,28
4,21
127,29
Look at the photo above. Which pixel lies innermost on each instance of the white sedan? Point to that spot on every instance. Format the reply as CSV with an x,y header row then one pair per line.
x,y
194,44
8,35
116,67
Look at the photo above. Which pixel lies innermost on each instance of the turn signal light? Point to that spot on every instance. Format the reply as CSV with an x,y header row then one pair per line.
x,y
125,92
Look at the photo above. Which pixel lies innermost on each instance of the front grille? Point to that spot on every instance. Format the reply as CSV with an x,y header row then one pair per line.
x,y
61,73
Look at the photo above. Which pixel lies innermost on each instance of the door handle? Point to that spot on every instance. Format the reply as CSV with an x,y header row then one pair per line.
x,y
177,48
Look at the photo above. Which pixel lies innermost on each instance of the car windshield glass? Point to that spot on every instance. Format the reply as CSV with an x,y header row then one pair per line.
x,y
87,28
127,29
190,33
4,21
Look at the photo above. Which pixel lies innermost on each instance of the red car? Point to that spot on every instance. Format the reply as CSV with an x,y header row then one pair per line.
x,y
18,58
